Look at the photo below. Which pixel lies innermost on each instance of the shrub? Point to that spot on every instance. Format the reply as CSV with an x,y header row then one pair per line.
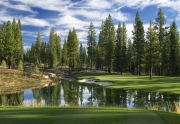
x,y
3,64
20,65
36,69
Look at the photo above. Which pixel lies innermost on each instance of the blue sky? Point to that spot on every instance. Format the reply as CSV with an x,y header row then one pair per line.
x,y
63,15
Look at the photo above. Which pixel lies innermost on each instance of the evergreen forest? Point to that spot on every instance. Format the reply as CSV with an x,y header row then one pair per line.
x,y
155,52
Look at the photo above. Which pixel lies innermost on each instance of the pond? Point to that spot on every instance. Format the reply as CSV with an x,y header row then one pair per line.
x,y
86,95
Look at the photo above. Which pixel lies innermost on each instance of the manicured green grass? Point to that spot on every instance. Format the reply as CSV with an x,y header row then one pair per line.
x,y
158,83
53,115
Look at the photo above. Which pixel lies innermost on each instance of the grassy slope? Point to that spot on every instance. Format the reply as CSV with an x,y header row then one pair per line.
x,y
52,115
158,83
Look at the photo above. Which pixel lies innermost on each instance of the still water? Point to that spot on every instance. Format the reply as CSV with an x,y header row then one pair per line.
x,y
74,94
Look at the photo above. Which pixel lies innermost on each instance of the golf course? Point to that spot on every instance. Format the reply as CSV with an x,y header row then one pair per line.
x,y
103,115
158,83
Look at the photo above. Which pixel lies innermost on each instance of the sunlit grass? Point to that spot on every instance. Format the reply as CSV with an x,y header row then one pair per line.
x,y
158,83
76,115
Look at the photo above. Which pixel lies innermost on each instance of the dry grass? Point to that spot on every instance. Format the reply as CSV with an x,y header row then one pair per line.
x,y
173,107
14,81
153,107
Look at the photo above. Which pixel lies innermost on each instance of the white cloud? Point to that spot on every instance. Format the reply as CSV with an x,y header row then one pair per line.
x,y
55,5
34,22
22,7
26,47
100,4
78,14
138,3
25,20
29,33
173,5
69,22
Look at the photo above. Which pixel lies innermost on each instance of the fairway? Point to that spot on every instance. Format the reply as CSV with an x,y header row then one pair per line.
x,y
157,84
56,115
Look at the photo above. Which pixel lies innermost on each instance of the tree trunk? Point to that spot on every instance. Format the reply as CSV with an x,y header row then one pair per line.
x,y
150,71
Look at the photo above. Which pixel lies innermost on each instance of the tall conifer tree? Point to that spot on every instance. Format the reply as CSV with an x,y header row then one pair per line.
x,y
153,55
160,26
9,44
109,37
19,42
118,57
138,42
91,42
64,53
38,48
72,48
174,50
101,48
130,56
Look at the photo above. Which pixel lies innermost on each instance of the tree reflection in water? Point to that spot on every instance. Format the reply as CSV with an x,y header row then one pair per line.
x,y
74,94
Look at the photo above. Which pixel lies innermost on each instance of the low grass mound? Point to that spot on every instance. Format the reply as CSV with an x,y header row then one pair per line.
x,y
157,84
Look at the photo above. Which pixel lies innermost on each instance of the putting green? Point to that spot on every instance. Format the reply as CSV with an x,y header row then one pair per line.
x,y
157,84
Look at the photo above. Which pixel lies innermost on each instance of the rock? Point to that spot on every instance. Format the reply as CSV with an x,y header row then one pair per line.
x,y
45,76
52,75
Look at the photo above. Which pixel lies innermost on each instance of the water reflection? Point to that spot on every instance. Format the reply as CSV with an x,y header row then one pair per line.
x,y
72,94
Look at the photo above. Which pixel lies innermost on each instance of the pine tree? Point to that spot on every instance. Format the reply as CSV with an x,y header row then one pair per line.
x,y
76,45
1,43
98,57
84,56
19,43
101,48
124,47
81,54
33,56
165,55
138,42
43,53
58,48
9,44
11,47
14,27
118,56
27,56
130,56
64,53
174,50
153,55
38,48
109,37
91,42
53,52
72,48
3,32
160,26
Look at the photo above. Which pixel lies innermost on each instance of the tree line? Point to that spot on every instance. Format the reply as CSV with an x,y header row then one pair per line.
x,y
11,44
155,51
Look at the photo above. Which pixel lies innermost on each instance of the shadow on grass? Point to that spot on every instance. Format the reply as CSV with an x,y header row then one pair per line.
x,y
79,116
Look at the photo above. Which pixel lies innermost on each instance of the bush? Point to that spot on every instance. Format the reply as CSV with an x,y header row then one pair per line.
x,y
20,65
36,69
3,64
